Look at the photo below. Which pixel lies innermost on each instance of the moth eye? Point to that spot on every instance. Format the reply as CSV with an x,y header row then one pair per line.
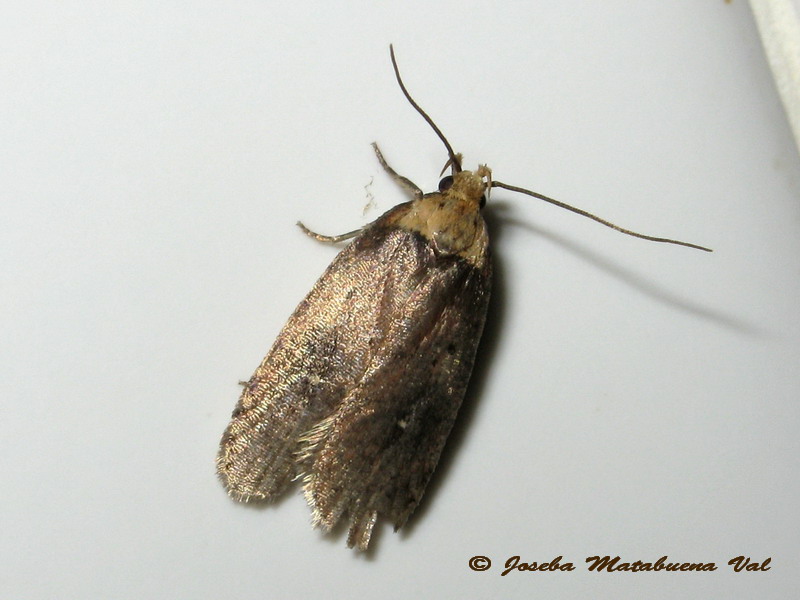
x,y
446,183
483,201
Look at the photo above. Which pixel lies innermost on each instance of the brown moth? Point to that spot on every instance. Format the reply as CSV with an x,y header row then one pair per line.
x,y
360,391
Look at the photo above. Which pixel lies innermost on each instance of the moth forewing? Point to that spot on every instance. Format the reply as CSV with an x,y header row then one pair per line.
x,y
360,390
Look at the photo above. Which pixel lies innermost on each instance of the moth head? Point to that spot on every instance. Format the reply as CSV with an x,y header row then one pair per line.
x,y
471,186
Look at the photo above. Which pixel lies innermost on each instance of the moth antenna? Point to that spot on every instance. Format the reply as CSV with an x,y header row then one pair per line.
x,y
589,215
455,160
449,163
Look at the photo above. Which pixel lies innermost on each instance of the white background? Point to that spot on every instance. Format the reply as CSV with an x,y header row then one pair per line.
x,y
632,399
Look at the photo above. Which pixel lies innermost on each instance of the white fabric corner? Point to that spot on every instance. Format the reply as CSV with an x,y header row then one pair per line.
x,y
779,26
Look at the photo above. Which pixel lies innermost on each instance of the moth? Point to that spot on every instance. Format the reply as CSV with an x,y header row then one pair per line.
x,y
360,390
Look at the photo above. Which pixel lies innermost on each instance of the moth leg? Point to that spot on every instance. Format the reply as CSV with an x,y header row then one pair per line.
x,y
328,239
403,182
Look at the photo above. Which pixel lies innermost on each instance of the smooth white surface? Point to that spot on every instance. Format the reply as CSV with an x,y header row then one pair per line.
x,y
632,399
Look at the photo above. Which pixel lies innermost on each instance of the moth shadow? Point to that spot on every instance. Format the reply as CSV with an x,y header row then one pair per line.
x,y
638,282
